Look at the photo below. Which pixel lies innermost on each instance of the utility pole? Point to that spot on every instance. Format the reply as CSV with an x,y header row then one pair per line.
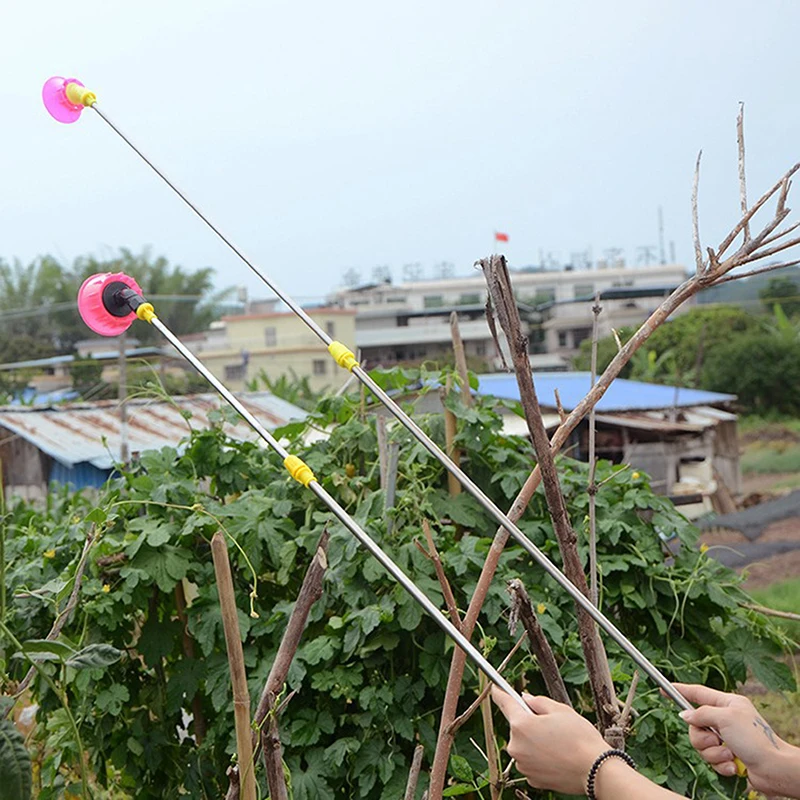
x,y
124,453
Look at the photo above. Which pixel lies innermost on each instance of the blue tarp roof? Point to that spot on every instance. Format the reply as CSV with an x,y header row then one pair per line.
x,y
622,395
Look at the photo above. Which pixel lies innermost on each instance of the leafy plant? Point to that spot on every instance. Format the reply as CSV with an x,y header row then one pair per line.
x,y
371,670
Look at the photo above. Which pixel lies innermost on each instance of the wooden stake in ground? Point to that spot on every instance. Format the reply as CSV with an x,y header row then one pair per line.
x,y
233,643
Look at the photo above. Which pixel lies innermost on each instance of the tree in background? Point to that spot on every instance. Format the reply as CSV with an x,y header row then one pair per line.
x,y
784,292
38,314
186,300
761,368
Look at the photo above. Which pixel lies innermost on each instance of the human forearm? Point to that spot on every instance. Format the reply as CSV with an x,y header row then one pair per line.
x,y
782,776
617,781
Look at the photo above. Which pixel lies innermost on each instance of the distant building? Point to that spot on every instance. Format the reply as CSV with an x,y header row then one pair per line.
x,y
408,321
684,439
237,348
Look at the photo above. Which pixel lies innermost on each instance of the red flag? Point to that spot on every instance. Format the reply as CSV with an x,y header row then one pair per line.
x,y
500,237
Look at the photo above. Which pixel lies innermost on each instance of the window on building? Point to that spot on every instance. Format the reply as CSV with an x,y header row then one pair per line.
x,y
480,348
433,301
579,335
270,336
319,366
330,328
544,294
562,338
469,299
395,299
234,372
584,290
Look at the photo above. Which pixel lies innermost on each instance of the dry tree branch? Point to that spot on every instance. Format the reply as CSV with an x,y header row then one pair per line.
x,y
742,173
771,612
433,554
505,306
233,644
460,358
768,268
268,705
698,250
463,718
682,293
522,610
413,775
492,760
592,487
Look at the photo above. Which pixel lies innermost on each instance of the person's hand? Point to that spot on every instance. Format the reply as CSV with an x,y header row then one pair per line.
x,y
744,732
554,747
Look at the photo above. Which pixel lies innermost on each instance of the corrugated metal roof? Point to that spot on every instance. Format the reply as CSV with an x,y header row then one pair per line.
x,y
622,395
90,432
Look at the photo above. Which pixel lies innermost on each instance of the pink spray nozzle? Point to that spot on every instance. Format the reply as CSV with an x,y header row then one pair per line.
x,y
106,302
64,103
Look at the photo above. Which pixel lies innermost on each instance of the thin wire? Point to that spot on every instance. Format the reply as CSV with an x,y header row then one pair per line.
x,y
644,663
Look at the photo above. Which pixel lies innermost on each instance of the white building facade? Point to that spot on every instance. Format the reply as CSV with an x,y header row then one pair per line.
x,y
409,321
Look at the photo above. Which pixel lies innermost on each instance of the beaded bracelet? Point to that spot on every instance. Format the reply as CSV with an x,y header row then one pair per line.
x,y
590,795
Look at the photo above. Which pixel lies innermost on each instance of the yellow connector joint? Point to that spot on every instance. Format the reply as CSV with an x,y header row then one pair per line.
x,y
343,355
299,470
80,95
146,312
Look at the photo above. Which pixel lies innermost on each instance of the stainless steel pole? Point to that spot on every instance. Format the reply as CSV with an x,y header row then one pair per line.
x,y
366,540
643,662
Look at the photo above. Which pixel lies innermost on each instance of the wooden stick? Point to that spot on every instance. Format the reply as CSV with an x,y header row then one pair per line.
x,y
310,592
450,431
592,487
495,787
461,359
413,775
771,612
233,644
522,610
499,282
698,250
742,172
433,554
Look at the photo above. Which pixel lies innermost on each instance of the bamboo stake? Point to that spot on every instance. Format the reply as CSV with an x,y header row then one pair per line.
x,y
233,644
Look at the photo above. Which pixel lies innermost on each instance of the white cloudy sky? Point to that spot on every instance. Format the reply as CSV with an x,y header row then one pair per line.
x,y
323,136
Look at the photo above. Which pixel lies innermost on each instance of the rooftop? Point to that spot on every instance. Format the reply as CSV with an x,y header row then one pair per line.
x,y
622,395
90,432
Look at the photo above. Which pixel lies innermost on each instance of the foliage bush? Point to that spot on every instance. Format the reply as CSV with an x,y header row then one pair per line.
x,y
370,673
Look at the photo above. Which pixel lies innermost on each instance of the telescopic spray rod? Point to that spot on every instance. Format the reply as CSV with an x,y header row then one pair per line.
x,y
65,99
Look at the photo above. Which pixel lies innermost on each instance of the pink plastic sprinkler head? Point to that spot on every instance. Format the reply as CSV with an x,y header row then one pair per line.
x,y
107,302
65,98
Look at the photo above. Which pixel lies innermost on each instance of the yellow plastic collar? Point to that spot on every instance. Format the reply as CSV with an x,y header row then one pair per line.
x,y
299,470
343,355
146,312
80,95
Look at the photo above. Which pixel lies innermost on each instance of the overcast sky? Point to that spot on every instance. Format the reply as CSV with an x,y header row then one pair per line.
x,y
324,136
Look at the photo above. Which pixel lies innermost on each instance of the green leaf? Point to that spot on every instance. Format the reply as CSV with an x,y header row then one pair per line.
x,y
94,656
458,789
460,768
409,615
96,515
15,764
46,650
320,649
112,700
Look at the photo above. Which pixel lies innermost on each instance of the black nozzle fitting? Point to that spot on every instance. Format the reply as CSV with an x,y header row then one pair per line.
x,y
120,300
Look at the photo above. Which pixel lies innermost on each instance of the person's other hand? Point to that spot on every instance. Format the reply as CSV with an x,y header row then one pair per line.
x,y
554,747
744,732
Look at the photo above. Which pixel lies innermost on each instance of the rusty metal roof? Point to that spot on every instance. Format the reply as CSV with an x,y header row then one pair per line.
x,y
90,432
